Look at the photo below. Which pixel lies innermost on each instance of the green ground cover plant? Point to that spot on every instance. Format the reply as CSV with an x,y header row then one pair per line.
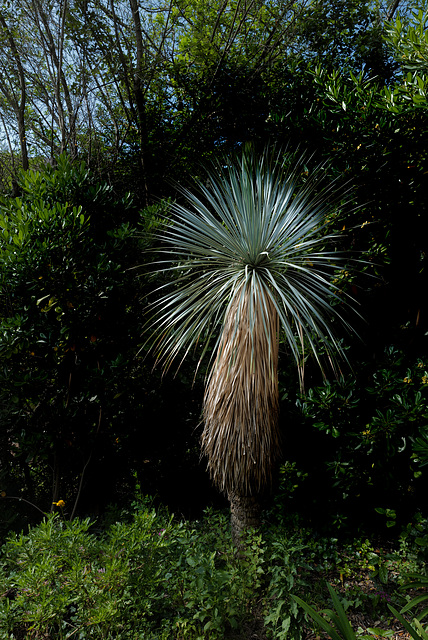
x,y
144,577
143,574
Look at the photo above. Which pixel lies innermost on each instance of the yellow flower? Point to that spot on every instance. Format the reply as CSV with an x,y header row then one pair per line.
x,y
407,380
59,504
425,380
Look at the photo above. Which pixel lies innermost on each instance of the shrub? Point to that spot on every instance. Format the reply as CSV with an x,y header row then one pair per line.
x,y
362,468
69,329
148,577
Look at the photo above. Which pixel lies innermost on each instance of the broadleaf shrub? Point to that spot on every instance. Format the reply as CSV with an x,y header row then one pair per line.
x,y
70,321
146,575
363,468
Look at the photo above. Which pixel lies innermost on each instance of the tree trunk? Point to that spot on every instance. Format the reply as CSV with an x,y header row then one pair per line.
x,y
244,514
17,105
392,9
139,93
54,50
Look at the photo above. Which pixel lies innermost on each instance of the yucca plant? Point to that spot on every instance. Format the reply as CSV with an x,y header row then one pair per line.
x,y
417,581
248,250
340,627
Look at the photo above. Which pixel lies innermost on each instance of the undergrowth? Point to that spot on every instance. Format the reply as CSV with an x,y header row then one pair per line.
x,y
148,576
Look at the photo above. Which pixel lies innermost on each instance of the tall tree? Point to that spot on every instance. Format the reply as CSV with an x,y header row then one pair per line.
x,y
248,254
407,37
12,83
150,80
50,22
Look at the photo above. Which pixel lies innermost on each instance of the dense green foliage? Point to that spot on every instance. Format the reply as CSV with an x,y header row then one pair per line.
x,y
142,92
368,445
77,407
122,107
102,105
66,343
148,575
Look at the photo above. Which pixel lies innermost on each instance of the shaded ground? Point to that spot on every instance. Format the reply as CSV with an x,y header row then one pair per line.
x,y
361,618
255,630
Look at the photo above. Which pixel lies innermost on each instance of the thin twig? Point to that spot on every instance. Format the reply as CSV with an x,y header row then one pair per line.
x,y
24,500
79,491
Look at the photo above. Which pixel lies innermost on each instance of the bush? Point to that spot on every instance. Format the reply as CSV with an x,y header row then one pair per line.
x,y
147,577
363,469
70,321
144,574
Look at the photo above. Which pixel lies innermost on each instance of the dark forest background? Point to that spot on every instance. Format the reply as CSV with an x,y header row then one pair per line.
x,y
104,107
